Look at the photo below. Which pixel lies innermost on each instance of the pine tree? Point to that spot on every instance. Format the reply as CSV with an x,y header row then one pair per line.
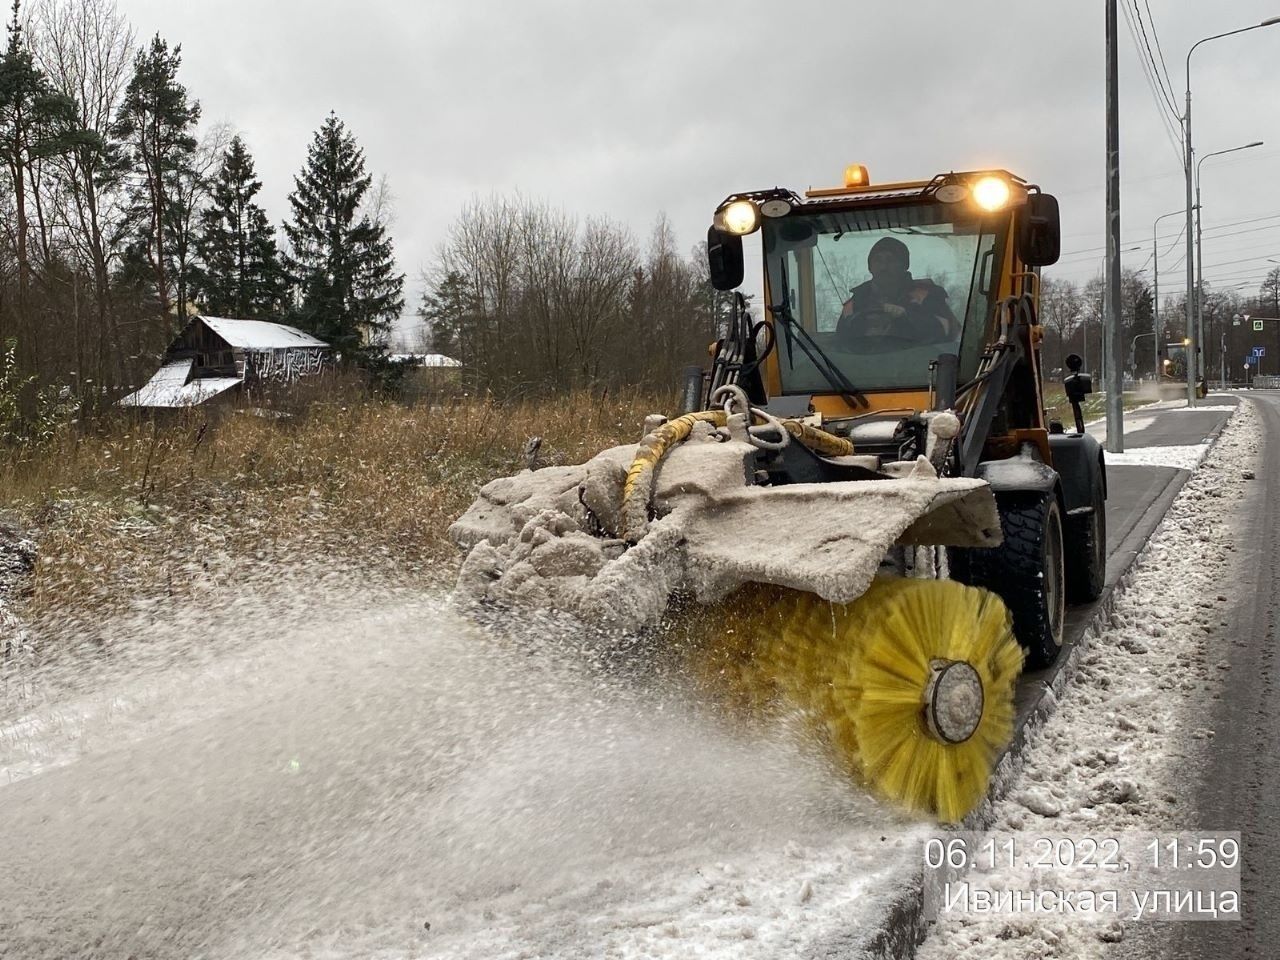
x,y
452,314
239,269
340,262
157,119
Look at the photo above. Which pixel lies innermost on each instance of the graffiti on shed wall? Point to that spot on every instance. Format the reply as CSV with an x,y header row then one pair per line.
x,y
285,366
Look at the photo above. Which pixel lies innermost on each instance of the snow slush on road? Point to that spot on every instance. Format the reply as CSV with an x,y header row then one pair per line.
x,y
372,774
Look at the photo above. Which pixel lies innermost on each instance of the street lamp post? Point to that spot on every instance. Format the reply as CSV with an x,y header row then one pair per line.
x,y
1189,169
1155,260
1133,350
1200,246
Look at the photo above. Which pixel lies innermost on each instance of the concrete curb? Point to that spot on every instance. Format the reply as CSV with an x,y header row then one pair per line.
x,y
905,922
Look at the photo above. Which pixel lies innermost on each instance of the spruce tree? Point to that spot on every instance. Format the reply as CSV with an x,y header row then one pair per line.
x,y
340,262
452,314
239,269
157,120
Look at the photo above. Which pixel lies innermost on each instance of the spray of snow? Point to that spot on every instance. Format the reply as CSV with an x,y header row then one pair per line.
x,y
1114,754
324,767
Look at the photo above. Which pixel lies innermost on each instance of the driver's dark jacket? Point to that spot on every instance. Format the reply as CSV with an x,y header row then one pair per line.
x,y
926,319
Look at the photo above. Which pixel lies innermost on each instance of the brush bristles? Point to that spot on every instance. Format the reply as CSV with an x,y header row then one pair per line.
x,y
858,675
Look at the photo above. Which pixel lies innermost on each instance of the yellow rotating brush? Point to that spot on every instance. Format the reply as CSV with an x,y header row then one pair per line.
x,y
911,684
932,691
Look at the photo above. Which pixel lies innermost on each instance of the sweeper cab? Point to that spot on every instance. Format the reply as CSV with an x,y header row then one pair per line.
x,y
862,515
887,304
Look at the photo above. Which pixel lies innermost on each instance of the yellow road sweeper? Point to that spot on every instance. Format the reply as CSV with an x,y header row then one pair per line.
x,y
863,517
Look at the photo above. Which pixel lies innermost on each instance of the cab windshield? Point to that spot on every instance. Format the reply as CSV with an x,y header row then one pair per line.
x,y
881,292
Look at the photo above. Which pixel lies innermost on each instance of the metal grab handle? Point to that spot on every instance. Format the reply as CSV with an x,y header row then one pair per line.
x,y
735,401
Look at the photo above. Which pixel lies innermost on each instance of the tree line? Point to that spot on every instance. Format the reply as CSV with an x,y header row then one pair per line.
x,y
1072,314
532,299
121,216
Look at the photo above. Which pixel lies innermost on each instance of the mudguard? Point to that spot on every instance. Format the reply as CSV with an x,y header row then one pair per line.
x,y
1079,463
1023,473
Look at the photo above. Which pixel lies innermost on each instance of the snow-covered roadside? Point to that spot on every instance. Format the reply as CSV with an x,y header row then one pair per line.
x,y
1183,456
1114,754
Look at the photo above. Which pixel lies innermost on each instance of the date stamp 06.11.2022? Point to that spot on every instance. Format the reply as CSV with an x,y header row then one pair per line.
x,y
1123,875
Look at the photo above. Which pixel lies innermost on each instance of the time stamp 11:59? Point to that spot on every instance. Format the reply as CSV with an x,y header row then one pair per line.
x,y
992,851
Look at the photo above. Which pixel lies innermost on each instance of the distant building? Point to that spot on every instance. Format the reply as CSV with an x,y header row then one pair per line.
x,y
215,356
435,360
428,374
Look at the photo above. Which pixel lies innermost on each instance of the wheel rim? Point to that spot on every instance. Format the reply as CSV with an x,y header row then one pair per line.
x,y
1054,583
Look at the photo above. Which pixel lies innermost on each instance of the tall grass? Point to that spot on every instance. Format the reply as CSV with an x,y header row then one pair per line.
x,y
139,504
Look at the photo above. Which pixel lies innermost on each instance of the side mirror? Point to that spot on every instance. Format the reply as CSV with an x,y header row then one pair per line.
x,y
724,259
1039,231
1078,385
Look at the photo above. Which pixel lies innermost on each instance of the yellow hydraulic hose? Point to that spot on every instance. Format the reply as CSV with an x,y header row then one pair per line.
x,y
638,490
819,441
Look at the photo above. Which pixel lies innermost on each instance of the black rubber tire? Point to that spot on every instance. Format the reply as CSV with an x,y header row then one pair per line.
x,y
1026,571
1085,547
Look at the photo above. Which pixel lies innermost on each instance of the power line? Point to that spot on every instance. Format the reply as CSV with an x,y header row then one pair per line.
x,y
1166,90
1152,20
1252,157
1158,93
1208,229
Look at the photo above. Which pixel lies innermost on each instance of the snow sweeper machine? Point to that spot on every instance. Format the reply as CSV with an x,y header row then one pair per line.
x,y
863,520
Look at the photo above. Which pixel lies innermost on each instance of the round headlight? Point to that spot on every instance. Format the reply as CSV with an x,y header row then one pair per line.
x,y
991,193
775,208
740,217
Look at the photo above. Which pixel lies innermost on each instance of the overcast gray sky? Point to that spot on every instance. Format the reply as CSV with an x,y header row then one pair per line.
x,y
628,109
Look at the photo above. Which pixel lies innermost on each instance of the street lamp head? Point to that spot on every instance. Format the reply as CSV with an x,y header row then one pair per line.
x,y
1269,21
1256,143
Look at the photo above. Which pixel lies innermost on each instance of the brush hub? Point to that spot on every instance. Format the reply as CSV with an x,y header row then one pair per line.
x,y
953,701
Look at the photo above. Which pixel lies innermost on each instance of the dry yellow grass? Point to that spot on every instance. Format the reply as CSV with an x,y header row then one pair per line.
x,y
141,507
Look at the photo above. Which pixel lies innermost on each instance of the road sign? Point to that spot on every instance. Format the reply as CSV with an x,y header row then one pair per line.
x,y
1257,325
1259,351
1250,361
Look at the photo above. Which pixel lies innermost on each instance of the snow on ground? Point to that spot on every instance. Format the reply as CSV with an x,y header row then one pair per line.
x,y
1114,754
1184,457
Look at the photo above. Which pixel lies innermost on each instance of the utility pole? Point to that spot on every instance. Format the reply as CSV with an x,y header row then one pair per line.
x,y
1193,306
1113,342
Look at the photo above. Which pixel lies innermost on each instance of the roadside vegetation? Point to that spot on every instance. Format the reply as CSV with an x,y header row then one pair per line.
x,y
136,509
1094,406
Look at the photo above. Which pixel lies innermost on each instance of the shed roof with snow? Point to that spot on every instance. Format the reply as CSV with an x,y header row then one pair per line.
x,y
259,334
172,386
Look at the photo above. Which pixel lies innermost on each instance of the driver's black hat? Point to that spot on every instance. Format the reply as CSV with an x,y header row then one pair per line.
x,y
894,247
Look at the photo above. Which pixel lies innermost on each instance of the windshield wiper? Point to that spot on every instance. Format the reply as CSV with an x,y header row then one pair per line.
x,y
822,363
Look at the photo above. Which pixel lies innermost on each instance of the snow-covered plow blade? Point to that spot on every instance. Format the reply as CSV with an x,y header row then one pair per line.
x,y
555,536
822,598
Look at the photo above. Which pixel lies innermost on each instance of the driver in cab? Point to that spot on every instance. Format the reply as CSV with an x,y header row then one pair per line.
x,y
895,304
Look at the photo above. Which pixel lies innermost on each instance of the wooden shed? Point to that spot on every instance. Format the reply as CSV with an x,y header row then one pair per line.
x,y
216,356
